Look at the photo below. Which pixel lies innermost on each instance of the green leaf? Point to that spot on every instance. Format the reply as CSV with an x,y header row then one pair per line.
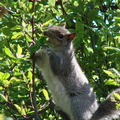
x,y
9,53
116,33
110,74
23,24
117,18
16,82
5,76
17,27
112,82
112,48
17,35
1,4
23,111
19,51
52,3
28,38
2,97
45,94
5,83
47,23
1,75
118,105
30,75
6,31
18,107
34,48
107,72
117,96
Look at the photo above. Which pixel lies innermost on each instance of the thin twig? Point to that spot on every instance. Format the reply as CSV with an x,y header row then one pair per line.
x,y
28,34
66,15
63,10
50,106
33,95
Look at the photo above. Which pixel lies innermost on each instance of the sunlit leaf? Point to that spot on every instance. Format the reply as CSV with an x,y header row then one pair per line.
x,y
117,18
1,4
110,74
17,35
2,97
1,75
117,96
112,82
52,2
28,38
30,75
45,94
19,51
17,27
18,107
23,24
47,23
5,83
5,76
112,48
107,72
8,52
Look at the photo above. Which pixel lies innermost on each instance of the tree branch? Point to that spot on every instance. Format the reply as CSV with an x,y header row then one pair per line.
x,y
32,93
63,10
67,16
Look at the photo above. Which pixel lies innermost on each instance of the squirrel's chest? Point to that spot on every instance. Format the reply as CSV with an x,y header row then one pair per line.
x,y
56,87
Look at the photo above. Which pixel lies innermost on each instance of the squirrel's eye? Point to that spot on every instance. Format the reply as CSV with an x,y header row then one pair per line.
x,y
61,36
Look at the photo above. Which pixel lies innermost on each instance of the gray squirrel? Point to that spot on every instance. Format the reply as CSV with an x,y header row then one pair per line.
x,y
69,86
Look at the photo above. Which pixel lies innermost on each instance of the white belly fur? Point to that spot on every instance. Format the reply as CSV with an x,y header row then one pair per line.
x,y
57,89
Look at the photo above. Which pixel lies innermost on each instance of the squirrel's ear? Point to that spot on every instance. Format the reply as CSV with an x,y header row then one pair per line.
x,y
71,36
63,25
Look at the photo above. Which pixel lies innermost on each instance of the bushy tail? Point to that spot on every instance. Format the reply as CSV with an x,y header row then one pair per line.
x,y
109,108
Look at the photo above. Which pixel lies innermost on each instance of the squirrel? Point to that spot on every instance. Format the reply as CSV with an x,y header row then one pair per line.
x,y
69,86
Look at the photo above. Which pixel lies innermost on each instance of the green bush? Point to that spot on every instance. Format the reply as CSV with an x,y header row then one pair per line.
x,y
23,92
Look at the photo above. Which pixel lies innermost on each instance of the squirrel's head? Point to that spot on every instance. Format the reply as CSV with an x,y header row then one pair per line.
x,y
59,35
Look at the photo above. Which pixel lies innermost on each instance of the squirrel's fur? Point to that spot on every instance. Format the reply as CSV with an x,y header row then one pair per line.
x,y
69,86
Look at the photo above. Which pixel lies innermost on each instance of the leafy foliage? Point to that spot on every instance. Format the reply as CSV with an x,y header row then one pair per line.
x,y
23,92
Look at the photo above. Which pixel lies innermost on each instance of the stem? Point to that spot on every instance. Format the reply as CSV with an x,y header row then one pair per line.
x,y
66,15
63,10
32,21
32,94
